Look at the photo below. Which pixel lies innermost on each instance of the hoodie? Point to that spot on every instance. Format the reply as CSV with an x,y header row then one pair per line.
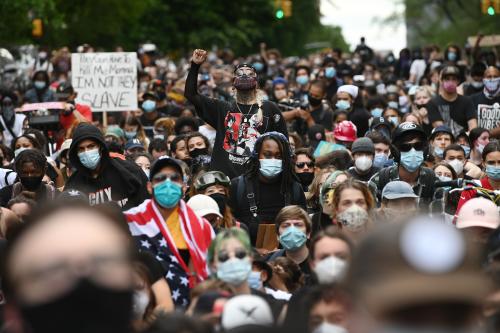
x,y
118,180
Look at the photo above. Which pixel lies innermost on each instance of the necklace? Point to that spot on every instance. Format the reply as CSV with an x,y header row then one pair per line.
x,y
245,116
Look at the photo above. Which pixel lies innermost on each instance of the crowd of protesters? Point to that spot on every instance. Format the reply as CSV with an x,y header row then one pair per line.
x,y
338,192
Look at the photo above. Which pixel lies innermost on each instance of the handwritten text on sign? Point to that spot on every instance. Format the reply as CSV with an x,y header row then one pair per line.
x,y
105,81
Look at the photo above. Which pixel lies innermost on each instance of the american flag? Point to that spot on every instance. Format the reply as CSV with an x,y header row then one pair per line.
x,y
150,233
175,275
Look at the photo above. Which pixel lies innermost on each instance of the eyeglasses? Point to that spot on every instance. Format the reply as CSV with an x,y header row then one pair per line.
x,y
404,147
211,178
245,71
239,253
175,177
301,165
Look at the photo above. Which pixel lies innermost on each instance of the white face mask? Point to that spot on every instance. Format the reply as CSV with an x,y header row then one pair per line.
x,y
353,218
457,165
363,163
444,178
326,327
330,269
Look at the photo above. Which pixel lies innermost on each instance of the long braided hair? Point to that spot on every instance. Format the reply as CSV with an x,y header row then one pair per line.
x,y
287,173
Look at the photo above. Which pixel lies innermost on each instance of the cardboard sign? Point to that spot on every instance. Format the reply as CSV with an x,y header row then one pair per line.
x,y
105,81
325,147
488,116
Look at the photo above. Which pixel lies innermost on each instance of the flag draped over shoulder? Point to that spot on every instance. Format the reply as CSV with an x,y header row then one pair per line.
x,y
151,234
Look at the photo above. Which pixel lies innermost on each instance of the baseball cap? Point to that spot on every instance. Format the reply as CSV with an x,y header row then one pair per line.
x,y
449,70
151,94
424,262
246,310
398,189
204,205
64,90
115,131
478,212
162,162
363,145
207,301
133,143
380,121
441,129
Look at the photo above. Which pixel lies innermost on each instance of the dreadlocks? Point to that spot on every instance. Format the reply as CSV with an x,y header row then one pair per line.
x,y
287,173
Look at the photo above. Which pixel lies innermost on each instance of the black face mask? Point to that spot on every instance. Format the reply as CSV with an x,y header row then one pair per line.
x,y
315,102
419,106
198,152
31,183
88,308
306,178
221,200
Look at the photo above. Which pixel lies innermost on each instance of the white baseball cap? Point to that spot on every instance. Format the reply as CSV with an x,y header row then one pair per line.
x,y
246,310
204,205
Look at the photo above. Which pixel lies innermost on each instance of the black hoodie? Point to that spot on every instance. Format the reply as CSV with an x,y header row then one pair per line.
x,y
119,180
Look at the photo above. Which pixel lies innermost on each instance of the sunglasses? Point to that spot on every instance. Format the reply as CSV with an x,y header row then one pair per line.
x,y
175,177
405,147
224,255
301,165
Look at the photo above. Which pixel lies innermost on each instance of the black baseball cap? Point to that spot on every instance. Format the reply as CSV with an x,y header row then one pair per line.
x,y
162,162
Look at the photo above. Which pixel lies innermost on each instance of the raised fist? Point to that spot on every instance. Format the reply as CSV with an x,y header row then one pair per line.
x,y
199,56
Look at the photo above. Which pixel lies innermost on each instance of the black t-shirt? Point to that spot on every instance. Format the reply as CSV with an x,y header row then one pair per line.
x,y
237,126
453,114
268,199
487,115
323,116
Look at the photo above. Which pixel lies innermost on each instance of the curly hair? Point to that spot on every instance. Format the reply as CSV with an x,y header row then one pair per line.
x,y
31,156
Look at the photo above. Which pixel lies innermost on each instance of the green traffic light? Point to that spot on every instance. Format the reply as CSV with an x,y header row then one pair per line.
x,y
491,11
279,14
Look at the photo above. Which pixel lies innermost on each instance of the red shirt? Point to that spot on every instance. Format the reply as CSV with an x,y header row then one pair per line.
x,y
67,121
469,194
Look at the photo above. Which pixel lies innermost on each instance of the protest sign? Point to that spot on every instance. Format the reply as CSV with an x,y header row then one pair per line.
x,y
105,81
488,116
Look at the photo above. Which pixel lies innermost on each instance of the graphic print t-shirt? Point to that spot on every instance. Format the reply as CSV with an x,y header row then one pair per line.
x,y
238,126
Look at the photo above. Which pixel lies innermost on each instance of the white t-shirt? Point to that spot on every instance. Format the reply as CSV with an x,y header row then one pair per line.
x,y
17,128
418,69
7,177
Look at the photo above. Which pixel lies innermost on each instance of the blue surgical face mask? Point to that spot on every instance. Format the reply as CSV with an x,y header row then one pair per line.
x,y
254,280
167,193
258,66
39,85
380,160
292,238
90,158
330,72
343,105
438,152
452,56
493,172
270,167
466,149
302,80
376,112
492,84
131,134
394,120
393,105
412,160
234,271
148,105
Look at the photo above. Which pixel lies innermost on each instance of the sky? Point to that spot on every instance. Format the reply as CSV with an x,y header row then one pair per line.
x,y
359,18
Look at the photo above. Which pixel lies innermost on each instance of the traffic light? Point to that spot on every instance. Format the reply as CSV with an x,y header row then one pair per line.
x,y
283,8
37,30
490,7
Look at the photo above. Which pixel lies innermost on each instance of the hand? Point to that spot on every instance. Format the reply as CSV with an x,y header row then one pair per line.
x,y
304,114
199,56
68,107
262,46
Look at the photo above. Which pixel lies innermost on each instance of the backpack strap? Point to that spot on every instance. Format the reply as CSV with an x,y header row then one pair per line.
x,y
246,194
275,255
